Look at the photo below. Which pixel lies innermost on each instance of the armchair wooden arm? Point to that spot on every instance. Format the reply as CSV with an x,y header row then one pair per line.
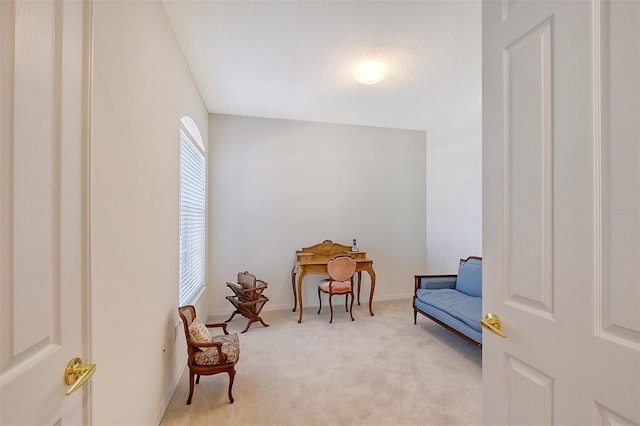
x,y
221,325
198,346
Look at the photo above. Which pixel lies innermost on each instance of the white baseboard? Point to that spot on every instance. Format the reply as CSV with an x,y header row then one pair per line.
x,y
289,306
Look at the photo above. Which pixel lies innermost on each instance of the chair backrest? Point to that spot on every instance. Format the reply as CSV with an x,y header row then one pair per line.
x,y
341,268
469,280
187,314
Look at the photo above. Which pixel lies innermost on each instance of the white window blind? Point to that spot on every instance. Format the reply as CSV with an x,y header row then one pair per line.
x,y
192,219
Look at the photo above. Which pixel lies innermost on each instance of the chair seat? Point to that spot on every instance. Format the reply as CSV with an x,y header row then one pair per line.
x,y
337,287
230,348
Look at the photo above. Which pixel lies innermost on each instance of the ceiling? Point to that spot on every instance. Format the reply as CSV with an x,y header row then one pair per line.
x,y
295,59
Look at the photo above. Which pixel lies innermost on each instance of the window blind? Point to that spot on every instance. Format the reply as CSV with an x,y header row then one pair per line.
x,y
192,219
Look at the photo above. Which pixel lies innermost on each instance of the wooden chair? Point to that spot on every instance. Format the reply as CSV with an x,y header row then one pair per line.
x,y
208,354
248,298
340,281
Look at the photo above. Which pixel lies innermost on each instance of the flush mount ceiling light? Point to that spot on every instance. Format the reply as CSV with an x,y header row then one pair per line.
x,y
369,72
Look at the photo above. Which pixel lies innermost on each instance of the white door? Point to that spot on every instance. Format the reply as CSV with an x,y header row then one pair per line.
x,y
561,211
43,181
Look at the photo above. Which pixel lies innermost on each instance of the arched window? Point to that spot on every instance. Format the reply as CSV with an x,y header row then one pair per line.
x,y
193,211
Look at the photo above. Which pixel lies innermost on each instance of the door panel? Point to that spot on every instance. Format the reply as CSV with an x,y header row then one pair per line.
x,y
35,183
527,162
43,127
530,395
619,176
561,211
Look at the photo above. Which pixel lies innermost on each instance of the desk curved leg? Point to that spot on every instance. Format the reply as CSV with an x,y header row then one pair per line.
x,y
293,287
372,275
359,283
301,275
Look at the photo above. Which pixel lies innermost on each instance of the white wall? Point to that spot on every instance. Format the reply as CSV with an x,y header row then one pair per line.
x,y
278,185
454,159
454,194
141,88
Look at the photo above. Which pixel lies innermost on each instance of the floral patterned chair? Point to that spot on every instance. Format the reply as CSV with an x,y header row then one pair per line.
x,y
208,354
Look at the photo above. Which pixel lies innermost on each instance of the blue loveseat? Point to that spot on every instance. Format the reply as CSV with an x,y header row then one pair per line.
x,y
453,301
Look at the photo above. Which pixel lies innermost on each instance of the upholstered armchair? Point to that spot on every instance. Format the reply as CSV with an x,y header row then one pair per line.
x,y
207,354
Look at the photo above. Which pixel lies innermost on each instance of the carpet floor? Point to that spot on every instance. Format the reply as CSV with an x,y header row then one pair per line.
x,y
380,370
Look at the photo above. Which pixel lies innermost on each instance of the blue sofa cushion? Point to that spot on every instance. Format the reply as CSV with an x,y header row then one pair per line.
x,y
458,325
460,306
470,278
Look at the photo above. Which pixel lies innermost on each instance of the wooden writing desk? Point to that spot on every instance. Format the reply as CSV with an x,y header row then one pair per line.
x,y
314,259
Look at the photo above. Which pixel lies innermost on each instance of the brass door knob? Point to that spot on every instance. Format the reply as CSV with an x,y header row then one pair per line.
x,y
492,322
77,374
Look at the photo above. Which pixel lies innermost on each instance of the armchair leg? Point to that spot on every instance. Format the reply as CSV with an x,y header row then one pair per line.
x,y
319,301
190,387
232,374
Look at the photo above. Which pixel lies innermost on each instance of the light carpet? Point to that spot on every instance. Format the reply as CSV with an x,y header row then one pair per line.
x,y
380,370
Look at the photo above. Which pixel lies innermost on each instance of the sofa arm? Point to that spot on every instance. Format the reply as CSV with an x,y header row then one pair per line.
x,y
434,281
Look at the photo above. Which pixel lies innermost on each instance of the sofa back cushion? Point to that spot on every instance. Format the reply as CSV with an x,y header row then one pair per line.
x,y
470,277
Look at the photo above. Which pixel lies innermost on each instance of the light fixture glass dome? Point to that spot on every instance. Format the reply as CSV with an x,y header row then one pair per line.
x,y
369,72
